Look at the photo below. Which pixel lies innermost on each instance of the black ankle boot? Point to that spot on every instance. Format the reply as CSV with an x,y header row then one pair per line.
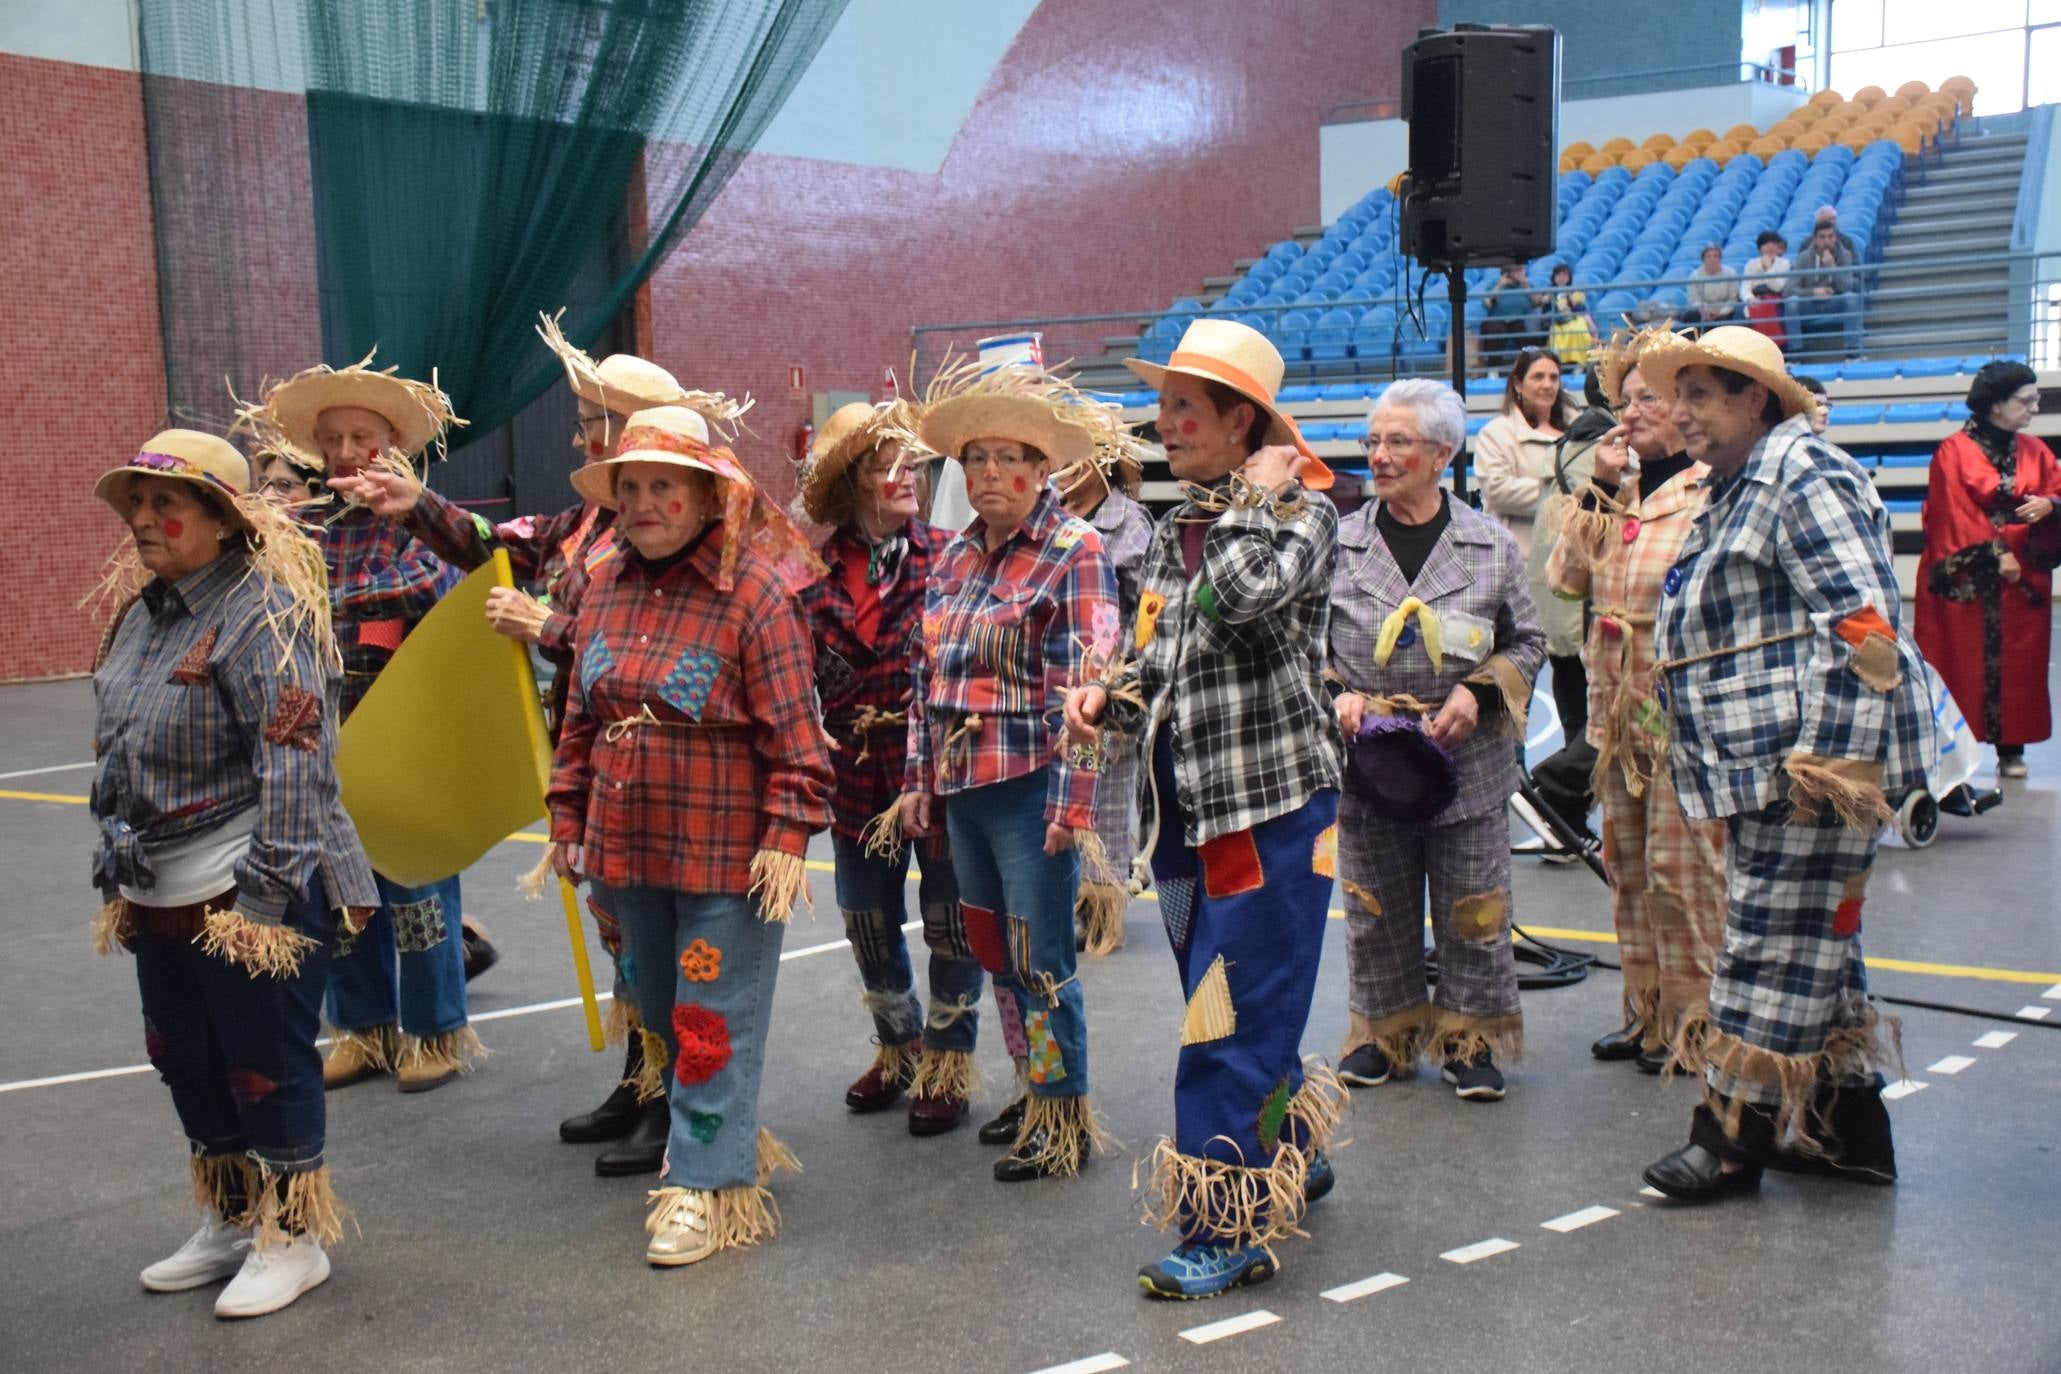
x,y
615,1117
645,1149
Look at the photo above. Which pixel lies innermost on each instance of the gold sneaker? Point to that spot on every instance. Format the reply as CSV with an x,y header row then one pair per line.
x,y
356,1056
681,1227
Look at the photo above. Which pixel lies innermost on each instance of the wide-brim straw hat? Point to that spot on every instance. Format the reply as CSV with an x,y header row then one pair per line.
x,y
419,412
623,383
852,432
1745,351
184,455
1245,360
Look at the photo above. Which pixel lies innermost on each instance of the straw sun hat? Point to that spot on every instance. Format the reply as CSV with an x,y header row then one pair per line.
x,y
1745,351
419,412
185,455
1245,360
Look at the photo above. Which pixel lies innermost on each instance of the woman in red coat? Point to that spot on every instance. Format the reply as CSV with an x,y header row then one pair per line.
x,y
1984,613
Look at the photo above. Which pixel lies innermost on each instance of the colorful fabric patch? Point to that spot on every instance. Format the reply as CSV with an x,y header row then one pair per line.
x,y
595,659
1150,604
704,1044
703,1126
419,926
296,719
1011,1013
1324,855
1273,1114
249,1087
687,687
1046,1064
193,669
1211,1016
1177,910
984,935
1231,865
701,962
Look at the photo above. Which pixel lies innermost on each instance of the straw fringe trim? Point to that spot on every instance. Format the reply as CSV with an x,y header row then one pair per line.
x,y
273,951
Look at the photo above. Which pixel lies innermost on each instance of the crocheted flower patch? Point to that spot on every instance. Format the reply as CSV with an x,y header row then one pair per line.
x,y
704,1040
701,962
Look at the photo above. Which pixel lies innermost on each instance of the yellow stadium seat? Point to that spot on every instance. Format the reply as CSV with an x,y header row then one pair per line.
x,y
1742,134
1767,147
1658,143
1914,90
1868,95
1597,163
1636,159
1825,100
1679,156
1578,149
1617,146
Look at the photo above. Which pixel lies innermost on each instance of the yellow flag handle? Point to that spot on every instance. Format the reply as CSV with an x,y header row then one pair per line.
x,y
581,970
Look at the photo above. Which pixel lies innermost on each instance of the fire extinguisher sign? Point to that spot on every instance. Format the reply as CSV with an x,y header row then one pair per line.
x,y
796,380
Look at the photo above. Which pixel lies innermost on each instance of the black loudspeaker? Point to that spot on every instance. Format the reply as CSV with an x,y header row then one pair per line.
x,y
1483,106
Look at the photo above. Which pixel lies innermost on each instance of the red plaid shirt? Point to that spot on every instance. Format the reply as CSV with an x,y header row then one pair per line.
x,y
736,761
852,675
1003,637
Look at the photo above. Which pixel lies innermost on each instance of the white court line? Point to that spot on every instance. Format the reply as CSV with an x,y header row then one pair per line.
x,y
1480,1250
1903,1087
1365,1288
1574,1221
1094,1364
1952,1064
2034,1013
53,768
2053,994
559,1005
1996,1040
1229,1326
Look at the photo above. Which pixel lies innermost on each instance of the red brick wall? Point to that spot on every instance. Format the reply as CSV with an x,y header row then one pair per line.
x,y
81,367
1119,154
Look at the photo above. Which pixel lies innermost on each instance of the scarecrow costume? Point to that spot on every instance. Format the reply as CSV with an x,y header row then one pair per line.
x,y
1667,871
408,963
1797,703
691,771
866,618
227,864
1223,691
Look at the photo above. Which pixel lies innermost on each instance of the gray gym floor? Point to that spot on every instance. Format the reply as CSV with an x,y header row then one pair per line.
x,y
488,1245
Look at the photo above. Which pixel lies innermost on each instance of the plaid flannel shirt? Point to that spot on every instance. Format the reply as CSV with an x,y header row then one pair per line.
x,y
852,675
1003,639
734,761
1234,660
1797,541
382,581
196,722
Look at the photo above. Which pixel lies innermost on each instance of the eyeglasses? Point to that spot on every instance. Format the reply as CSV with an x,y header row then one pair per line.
x,y
1392,443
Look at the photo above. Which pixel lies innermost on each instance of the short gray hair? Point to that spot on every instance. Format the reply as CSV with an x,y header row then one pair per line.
x,y
1441,414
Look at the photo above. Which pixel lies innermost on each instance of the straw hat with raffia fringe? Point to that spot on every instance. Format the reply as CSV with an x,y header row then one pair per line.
x,y
419,412
1245,360
623,383
1015,402
1745,351
852,432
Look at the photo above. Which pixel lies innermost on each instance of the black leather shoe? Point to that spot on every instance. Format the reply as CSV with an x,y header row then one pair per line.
x,y
1002,1130
1022,1168
1622,1043
1694,1174
1653,1060
644,1151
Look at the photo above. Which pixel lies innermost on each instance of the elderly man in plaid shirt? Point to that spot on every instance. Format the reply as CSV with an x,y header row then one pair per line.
x,y
1796,703
1242,767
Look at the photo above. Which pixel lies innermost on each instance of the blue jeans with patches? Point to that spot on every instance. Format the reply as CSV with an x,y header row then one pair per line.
x,y
1019,903
238,1052
872,893
418,929
703,965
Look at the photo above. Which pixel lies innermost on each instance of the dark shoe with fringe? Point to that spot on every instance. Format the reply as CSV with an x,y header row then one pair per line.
x,y
1694,1174
1622,1043
617,1116
1002,1130
1365,1067
1023,1164
1322,1178
935,1115
643,1151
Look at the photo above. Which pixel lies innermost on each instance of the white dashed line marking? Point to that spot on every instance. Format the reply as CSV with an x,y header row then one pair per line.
x,y
1903,1087
1094,1364
1952,1064
1480,1250
2034,1013
1365,1288
1574,1221
1229,1326
1996,1040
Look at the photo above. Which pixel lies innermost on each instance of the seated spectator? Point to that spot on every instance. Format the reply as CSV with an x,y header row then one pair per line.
x,y
1714,292
1573,334
1827,293
1766,279
1510,318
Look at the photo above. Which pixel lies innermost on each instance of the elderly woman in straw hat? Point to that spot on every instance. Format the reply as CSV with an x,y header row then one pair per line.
x,y
1619,536
1432,621
1241,792
226,860
1019,606
866,617
556,554
690,773
408,964
1796,703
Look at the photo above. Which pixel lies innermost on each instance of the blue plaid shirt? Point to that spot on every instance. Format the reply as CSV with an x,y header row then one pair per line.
x,y
196,721
1797,541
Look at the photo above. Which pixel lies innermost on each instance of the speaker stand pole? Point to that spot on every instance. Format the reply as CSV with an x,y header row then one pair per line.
x,y
1456,345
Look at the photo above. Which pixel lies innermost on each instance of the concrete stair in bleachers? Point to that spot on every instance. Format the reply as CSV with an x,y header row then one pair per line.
x,y
1960,203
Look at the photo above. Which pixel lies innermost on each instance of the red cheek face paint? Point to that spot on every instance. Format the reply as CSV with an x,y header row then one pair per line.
x,y
174,528
1021,485
1188,427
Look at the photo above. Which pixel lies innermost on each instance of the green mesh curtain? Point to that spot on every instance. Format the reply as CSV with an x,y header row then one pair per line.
x,y
426,175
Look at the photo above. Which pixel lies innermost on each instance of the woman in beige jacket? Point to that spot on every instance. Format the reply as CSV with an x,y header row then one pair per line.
x,y
1513,455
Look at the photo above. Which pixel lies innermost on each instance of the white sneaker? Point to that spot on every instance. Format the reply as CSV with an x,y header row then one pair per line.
x,y
679,1227
272,1278
215,1251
